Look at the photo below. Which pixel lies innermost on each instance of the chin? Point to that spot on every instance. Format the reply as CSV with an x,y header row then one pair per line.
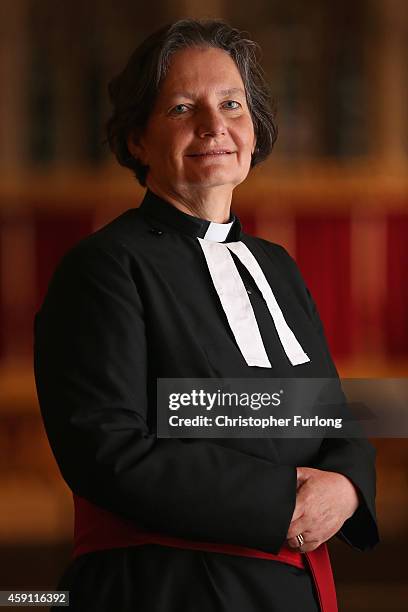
x,y
215,179
207,184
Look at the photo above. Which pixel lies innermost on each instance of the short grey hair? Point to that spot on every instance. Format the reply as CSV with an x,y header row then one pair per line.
x,y
134,91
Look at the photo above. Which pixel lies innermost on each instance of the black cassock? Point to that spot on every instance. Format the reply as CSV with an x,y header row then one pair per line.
x,y
134,302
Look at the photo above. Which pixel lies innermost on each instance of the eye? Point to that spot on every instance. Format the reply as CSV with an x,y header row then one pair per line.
x,y
237,104
178,110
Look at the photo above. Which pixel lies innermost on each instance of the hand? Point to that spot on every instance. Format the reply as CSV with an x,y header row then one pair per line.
x,y
324,501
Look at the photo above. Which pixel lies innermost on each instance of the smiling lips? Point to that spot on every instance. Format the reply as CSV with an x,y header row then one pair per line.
x,y
213,152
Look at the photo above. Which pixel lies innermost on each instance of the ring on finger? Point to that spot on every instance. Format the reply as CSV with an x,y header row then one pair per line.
x,y
300,539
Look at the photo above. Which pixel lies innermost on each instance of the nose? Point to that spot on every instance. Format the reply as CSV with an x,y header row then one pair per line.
x,y
211,123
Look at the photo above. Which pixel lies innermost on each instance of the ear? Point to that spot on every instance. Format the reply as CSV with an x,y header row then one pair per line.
x,y
254,145
136,148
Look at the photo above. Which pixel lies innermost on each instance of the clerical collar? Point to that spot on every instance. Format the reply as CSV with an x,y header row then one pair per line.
x,y
217,240
166,216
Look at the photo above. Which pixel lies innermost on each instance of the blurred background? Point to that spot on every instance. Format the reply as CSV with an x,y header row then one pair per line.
x,y
334,193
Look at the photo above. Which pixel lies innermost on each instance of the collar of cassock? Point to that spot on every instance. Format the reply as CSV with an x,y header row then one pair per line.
x,y
217,241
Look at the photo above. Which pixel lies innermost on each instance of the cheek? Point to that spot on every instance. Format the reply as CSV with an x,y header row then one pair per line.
x,y
245,136
170,142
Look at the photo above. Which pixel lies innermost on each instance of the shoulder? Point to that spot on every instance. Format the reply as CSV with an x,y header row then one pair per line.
x,y
118,241
122,237
102,261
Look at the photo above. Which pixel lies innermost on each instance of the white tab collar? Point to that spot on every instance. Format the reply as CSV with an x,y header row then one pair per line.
x,y
217,232
238,308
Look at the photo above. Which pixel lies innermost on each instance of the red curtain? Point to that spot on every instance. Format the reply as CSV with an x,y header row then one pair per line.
x,y
396,303
247,220
55,234
323,252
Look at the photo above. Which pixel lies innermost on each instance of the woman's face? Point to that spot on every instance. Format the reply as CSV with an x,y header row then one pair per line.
x,y
200,132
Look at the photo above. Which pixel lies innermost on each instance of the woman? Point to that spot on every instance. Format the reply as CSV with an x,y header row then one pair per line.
x,y
175,289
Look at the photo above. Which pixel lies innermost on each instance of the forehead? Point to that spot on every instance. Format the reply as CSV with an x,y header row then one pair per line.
x,y
201,69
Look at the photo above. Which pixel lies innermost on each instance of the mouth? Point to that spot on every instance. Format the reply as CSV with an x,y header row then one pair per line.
x,y
216,152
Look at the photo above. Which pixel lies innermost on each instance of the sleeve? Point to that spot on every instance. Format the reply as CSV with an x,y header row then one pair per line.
x,y
352,457
91,364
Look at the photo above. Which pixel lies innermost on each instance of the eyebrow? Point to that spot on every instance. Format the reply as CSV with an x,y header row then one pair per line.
x,y
220,93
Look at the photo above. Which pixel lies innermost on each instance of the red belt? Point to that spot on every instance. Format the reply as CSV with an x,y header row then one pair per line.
x,y
97,529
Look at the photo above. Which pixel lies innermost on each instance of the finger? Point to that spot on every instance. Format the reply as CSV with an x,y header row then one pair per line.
x,y
303,474
293,542
300,478
296,527
307,546
308,540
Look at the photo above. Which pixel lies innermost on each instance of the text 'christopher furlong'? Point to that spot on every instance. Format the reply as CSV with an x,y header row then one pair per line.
x,y
226,421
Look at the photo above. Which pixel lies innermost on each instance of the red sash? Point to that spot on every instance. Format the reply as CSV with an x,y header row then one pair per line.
x,y
97,529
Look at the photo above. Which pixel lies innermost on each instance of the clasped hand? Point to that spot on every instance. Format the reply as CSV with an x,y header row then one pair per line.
x,y
324,501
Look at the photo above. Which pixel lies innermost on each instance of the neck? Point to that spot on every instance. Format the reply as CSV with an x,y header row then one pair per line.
x,y
213,204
